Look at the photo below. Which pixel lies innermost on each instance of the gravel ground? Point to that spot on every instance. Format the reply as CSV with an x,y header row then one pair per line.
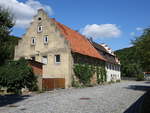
x,y
113,98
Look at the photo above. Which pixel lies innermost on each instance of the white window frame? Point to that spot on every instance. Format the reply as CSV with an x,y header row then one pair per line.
x,y
44,39
45,59
40,28
33,41
56,62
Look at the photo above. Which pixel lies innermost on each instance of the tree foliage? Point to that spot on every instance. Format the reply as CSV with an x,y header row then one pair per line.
x,y
142,45
136,59
6,24
7,42
130,65
7,49
16,75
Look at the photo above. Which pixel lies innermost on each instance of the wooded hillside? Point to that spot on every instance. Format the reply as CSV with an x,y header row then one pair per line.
x,y
129,61
136,60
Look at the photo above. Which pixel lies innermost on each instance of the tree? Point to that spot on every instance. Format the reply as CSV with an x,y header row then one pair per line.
x,y
16,75
130,65
6,42
142,45
7,49
6,24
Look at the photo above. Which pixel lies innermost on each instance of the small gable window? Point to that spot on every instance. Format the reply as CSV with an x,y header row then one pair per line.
x,y
57,59
45,39
39,18
40,28
33,41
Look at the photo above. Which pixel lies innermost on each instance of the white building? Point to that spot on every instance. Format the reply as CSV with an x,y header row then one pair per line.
x,y
112,62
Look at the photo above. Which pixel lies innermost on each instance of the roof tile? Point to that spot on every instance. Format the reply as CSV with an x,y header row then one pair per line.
x,y
78,42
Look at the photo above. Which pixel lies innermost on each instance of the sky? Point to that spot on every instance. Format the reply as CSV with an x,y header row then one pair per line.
x,y
114,22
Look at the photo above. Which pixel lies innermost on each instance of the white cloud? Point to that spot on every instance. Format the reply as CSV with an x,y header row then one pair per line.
x,y
23,12
101,31
139,29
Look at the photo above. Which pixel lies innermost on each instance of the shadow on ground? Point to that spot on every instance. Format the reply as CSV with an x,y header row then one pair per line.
x,y
139,87
148,82
11,99
140,106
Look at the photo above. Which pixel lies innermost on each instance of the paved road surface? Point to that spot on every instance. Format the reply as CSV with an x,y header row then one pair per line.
x,y
114,98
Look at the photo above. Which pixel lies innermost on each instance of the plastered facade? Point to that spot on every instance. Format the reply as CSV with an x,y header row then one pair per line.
x,y
57,45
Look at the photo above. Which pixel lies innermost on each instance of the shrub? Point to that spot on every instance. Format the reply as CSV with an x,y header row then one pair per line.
x,y
76,84
101,74
16,75
118,80
84,72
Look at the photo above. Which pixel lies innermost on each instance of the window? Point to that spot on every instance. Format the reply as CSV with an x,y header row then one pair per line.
x,y
107,66
110,66
113,67
118,68
39,28
39,18
33,41
57,58
33,58
45,39
44,60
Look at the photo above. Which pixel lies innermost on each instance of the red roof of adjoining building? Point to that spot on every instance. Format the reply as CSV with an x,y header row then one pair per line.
x,y
78,42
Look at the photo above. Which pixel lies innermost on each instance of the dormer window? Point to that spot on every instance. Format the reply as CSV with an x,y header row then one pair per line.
x,y
40,28
45,39
33,41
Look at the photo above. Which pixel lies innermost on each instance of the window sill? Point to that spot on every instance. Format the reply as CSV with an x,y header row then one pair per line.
x,y
32,44
57,63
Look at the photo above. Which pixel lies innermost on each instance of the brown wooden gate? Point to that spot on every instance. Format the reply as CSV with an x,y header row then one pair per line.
x,y
53,83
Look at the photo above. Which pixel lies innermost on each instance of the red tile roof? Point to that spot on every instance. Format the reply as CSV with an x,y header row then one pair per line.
x,y
78,42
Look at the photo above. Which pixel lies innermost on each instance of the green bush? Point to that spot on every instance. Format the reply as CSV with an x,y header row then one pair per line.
x,y
140,77
76,84
118,80
16,75
101,74
84,72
